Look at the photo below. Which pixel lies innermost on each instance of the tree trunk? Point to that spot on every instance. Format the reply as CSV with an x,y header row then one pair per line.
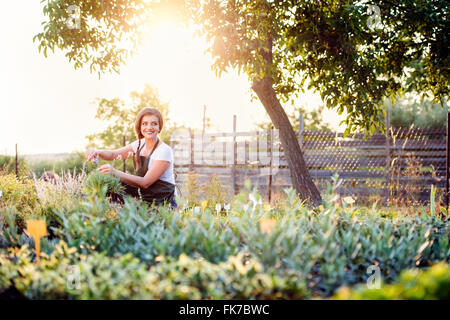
x,y
301,180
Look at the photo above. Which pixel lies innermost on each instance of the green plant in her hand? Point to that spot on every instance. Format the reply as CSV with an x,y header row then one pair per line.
x,y
100,184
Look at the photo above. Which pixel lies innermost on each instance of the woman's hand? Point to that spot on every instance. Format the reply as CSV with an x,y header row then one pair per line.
x,y
91,155
107,169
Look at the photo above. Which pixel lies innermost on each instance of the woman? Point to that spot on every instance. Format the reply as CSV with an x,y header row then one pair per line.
x,y
152,159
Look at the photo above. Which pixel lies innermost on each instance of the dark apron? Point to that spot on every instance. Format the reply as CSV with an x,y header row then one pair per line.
x,y
159,192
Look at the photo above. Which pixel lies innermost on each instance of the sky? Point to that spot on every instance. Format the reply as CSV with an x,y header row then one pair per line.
x,y
46,106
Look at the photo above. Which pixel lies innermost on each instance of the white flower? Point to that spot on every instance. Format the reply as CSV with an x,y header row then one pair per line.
x,y
218,207
348,200
196,209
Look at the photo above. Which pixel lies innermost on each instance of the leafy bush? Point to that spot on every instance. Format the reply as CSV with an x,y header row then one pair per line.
x,y
216,193
63,192
322,248
66,274
326,249
192,189
146,233
18,193
433,283
8,166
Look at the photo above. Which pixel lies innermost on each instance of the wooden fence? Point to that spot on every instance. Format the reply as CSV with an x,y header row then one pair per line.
x,y
403,164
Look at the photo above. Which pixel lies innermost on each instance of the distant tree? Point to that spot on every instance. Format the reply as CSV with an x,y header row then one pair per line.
x,y
121,118
313,120
423,114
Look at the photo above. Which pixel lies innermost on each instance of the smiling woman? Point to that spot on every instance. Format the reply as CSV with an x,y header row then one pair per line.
x,y
153,180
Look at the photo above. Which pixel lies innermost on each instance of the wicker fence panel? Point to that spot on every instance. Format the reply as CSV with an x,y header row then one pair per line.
x,y
405,161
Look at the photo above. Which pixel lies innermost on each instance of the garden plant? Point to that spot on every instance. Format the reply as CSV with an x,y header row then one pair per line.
x,y
99,249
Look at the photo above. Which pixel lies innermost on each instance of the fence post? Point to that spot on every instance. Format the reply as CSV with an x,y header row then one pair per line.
x,y
125,158
270,166
17,164
191,148
246,159
257,150
388,158
301,127
233,166
447,150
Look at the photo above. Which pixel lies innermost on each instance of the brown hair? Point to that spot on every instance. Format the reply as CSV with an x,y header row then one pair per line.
x,y
137,129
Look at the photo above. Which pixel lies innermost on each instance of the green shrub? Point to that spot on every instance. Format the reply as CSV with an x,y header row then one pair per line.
x,y
146,232
433,283
11,227
192,189
216,193
8,166
124,277
323,248
18,193
63,192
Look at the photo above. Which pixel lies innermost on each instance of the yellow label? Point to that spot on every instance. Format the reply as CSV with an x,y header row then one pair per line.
x,y
37,229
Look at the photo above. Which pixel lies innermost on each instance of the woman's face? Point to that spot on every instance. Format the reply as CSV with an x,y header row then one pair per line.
x,y
149,126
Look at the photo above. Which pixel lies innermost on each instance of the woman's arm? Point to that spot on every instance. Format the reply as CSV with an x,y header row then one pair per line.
x,y
124,152
157,168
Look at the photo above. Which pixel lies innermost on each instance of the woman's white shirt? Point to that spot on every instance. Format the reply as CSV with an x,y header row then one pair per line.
x,y
162,152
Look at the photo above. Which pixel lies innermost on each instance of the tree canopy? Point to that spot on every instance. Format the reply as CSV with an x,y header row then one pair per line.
x,y
324,45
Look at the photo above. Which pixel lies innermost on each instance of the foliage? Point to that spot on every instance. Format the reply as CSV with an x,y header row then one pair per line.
x,y
63,192
146,233
208,194
326,45
255,251
424,114
8,165
98,184
433,283
17,193
313,120
12,228
216,193
120,277
192,189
